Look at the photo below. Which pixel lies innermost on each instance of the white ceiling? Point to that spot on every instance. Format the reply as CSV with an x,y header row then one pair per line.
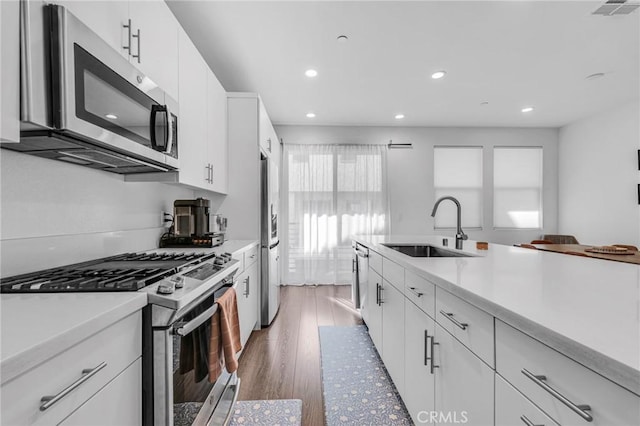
x,y
510,54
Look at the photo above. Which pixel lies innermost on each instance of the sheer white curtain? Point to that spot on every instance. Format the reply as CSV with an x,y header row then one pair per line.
x,y
331,193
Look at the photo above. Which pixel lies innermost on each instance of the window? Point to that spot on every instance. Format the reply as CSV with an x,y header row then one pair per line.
x,y
457,171
334,192
517,187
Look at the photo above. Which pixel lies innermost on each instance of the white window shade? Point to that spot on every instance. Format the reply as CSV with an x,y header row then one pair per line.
x,y
517,187
457,171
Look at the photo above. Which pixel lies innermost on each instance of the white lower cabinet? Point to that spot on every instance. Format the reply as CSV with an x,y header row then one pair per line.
x,y
566,391
247,295
512,408
116,404
77,375
374,309
464,383
392,335
419,379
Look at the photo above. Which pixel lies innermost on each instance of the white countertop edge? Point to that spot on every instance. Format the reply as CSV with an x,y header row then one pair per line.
x,y
611,369
29,358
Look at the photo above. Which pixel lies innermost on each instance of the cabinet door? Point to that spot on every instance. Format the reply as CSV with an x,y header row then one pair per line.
x,y
217,132
393,334
374,310
157,45
419,381
512,408
464,384
247,295
10,71
192,145
253,290
118,403
105,18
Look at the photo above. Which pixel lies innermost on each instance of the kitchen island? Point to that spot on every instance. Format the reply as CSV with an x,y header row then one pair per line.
x,y
584,309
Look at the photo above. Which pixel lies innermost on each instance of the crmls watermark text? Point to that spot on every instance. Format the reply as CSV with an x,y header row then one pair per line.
x,y
442,417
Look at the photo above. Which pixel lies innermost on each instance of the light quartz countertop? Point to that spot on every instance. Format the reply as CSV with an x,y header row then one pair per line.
x,y
587,309
36,326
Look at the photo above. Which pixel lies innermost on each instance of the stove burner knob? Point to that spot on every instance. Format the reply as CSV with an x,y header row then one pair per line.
x,y
219,261
165,289
178,281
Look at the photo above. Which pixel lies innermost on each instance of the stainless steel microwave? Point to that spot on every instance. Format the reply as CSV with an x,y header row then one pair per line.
x,y
83,102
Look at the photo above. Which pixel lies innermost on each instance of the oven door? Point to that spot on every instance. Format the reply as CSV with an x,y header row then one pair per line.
x,y
183,394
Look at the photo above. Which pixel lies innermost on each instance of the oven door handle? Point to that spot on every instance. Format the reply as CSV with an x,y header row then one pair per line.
x,y
196,322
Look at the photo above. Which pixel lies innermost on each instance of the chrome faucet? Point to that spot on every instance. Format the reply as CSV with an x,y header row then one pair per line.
x,y
460,235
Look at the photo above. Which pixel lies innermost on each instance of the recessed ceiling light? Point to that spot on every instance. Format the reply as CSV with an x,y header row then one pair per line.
x,y
484,103
527,109
111,116
310,115
311,73
399,116
595,76
438,74
342,38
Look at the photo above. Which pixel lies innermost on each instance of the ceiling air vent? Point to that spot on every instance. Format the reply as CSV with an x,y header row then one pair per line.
x,y
616,7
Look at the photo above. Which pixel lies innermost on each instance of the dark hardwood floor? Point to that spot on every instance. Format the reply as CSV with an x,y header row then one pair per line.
x,y
283,360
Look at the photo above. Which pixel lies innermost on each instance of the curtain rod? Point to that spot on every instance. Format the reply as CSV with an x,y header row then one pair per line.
x,y
392,145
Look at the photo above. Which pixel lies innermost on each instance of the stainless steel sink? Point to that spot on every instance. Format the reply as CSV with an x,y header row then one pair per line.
x,y
424,250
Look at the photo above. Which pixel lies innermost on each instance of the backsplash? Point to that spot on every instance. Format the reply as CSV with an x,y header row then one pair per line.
x,y
54,213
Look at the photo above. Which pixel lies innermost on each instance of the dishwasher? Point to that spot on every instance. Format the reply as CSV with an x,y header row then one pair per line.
x,y
360,272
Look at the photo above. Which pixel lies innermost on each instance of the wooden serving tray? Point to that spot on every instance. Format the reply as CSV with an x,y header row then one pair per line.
x,y
609,250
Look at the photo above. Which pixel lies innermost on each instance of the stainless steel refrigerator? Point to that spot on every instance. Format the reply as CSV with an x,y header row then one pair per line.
x,y
269,205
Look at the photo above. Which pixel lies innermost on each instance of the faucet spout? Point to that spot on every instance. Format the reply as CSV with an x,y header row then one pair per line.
x,y
460,235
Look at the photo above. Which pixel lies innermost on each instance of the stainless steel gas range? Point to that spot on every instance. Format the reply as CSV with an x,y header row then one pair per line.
x,y
182,287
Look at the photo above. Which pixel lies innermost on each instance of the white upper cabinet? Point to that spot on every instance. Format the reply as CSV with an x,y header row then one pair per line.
x,y
192,125
10,72
154,43
105,18
144,32
216,123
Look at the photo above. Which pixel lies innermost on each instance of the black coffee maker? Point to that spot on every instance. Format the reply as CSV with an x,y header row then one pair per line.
x,y
191,217
190,226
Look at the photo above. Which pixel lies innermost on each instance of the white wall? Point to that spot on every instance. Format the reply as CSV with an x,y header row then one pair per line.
x,y
410,171
598,177
53,213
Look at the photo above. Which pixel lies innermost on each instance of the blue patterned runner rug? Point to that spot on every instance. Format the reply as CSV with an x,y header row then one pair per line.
x,y
356,386
272,412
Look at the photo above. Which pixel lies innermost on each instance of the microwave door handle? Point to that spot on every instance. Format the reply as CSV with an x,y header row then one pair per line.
x,y
169,129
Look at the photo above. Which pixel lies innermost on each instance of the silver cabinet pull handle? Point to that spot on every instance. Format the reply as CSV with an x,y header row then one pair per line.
x,y
578,409
246,286
414,291
449,315
136,35
378,294
128,27
49,400
432,358
527,422
426,345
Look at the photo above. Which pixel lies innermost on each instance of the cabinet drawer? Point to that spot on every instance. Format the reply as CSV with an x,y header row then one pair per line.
x,y
421,292
470,325
250,256
393,273
512,408
375,261
518,355
117,346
